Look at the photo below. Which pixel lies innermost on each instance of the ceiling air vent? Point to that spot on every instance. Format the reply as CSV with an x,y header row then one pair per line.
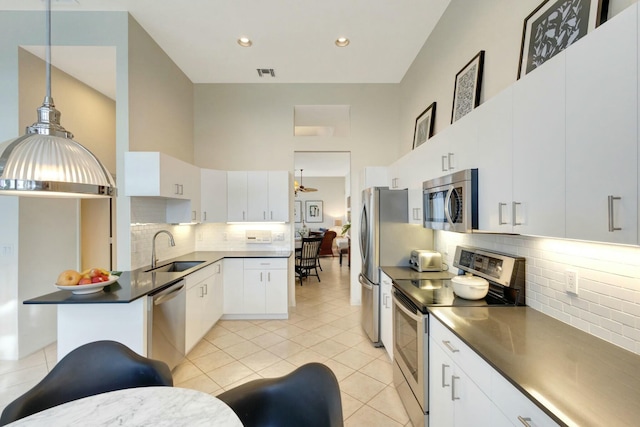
x,y
262,72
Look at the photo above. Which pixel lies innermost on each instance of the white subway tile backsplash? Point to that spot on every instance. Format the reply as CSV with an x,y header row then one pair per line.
x,y
608,300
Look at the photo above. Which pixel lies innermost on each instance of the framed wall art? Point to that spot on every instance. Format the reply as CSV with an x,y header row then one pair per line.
x,y
466,93
313,211
555,25
424,126
297,211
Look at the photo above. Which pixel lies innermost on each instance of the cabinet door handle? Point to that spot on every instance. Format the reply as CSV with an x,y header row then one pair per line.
x,y
177,189
416,213
451,348
449,161
206,289
201,291
500,221
453,387
612,226
514,208
443,376
193,215
268,276
261,276
444,169
271,215
524,421
204,215
244,216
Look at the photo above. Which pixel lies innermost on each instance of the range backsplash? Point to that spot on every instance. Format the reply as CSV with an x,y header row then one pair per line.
x,y
608,301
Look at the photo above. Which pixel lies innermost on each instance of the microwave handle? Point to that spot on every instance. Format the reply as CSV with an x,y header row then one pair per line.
x,y
447,201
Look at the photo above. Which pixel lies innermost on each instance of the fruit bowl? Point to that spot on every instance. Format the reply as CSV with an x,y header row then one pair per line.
x,y
89,288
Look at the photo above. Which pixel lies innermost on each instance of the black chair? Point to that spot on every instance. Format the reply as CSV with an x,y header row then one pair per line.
x,y
91,369
307,258
308,396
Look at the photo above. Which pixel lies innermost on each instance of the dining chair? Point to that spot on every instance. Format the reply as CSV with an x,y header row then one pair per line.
x,y
93,368
308,396
307,258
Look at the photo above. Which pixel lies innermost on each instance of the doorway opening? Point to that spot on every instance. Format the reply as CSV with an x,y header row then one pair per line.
x,y
322,201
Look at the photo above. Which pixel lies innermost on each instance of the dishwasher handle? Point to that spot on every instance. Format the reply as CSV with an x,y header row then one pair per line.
x,y
168,294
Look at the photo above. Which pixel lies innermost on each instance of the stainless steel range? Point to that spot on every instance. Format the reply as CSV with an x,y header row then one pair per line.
x,y
412,299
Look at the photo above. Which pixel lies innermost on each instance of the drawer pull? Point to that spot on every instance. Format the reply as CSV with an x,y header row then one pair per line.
x,y
451,348
443,375
453,387
524,421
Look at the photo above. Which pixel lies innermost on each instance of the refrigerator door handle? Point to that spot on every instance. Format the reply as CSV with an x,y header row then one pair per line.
x,y
364,282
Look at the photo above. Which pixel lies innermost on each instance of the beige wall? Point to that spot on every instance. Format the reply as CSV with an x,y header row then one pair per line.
x,y
250,126
465,28
88,114
160,99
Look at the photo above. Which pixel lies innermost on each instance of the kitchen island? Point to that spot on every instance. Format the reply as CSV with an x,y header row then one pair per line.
x,y
120,312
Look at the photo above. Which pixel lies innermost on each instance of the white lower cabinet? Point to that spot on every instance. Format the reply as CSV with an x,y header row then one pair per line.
x,y
515,406
454,398
465,391
386,313
256,288
204,302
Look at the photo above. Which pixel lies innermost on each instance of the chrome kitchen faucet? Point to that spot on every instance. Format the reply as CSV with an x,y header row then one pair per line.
x,y
154,260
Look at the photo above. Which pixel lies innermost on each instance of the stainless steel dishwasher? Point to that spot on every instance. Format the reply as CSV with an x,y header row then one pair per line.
x,y
167,324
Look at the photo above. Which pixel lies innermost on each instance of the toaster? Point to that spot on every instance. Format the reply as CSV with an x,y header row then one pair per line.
x,y
425,260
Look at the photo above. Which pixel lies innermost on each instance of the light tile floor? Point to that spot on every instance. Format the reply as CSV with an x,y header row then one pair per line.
x,y
323,327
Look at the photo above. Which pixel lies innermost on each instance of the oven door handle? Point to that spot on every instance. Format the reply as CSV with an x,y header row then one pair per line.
x,y
414,316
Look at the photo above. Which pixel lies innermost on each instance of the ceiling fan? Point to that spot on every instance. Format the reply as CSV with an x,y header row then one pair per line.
x,y
301,188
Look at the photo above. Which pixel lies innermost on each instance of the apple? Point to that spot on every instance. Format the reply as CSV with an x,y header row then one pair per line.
x,y
85,281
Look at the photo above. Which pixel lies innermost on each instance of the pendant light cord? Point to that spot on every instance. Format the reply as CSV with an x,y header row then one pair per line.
x,y
47,99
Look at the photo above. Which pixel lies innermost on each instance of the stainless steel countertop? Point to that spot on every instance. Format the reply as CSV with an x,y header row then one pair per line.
x,y
575,377
137,283
398,273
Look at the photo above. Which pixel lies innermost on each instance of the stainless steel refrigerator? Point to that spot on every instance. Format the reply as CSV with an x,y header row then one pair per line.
x,y
386,239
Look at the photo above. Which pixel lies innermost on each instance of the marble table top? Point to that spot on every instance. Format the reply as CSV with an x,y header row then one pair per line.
x,y
144,406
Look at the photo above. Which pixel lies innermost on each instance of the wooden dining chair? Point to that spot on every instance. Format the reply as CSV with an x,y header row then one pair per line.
x,y
307,258
93,368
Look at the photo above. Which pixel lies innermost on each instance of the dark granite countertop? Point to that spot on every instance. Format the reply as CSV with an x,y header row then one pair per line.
x,y
137,283
575,377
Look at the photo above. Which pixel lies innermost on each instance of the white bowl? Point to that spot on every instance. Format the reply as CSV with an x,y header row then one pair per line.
x,y
470,287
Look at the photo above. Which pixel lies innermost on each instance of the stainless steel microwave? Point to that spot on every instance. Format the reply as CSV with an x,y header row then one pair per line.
x,y
451,202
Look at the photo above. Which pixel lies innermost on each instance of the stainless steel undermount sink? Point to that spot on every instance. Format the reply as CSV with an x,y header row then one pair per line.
x,y
175,266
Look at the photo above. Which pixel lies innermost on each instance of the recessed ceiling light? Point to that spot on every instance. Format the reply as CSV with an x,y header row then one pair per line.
x,y
342,41
244,42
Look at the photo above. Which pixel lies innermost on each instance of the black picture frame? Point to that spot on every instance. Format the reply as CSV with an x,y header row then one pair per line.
x,y
554,26
468,86
313,211
423,129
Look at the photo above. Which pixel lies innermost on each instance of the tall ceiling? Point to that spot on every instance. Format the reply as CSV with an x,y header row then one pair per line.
x,y
293,37
296,38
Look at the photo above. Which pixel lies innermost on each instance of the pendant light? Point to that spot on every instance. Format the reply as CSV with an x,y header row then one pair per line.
x,y
47,161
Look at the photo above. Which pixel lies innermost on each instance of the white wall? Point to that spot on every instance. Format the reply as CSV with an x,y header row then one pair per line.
x,y
331,193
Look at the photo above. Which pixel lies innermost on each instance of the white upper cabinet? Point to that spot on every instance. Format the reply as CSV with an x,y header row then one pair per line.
x,y
454,149
538,204
602,133
258,196
159,175
213,195
493,160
